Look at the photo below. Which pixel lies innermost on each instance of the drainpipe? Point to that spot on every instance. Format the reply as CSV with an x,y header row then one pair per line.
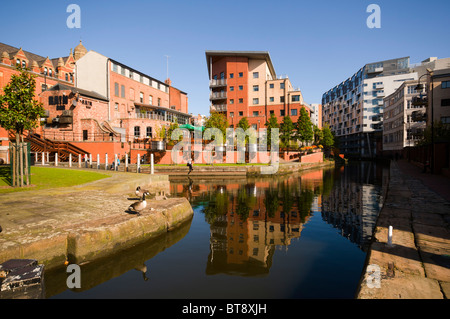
x,y
107,88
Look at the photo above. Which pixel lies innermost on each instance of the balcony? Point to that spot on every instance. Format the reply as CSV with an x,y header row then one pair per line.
x,y
218,108
379,86
218,96
375,70
218,83
380,94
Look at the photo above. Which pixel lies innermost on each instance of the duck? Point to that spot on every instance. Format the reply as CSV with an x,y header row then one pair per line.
x,y
140,205
139,191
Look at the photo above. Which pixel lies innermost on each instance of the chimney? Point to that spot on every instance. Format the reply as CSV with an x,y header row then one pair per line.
x,y
168,82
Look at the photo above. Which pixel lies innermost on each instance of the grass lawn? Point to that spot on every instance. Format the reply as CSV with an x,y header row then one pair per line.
x,y
48,177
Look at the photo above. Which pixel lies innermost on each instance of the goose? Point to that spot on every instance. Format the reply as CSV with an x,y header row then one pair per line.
x,y
140,205
139,191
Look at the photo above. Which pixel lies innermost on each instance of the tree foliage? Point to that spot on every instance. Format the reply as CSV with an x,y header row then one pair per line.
x,y
272,123
287,131
219,121
19,111
304,127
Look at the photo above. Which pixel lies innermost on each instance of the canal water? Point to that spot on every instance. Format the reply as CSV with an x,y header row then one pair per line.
x,y
304,235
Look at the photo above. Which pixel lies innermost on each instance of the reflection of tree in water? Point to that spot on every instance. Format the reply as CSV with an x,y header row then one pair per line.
x,y
217,205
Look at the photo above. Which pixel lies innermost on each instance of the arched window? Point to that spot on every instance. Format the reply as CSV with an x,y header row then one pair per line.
x,y
24,64
45,71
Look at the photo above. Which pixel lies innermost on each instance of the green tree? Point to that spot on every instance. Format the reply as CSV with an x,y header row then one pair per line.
x,y
287,128
318,134
271,123
243,123
172,127
20,112
327,139
219,121
304,127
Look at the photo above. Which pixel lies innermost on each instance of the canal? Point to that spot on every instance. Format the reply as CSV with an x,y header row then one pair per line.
x,y
303,235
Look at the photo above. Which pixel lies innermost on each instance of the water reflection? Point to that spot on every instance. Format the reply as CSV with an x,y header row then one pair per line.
x,y
250,219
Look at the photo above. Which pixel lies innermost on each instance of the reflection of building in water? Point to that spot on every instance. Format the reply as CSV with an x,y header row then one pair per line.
x,y
243,241
353,206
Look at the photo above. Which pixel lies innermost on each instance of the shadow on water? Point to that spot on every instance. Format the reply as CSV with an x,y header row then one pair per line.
x,y
102,270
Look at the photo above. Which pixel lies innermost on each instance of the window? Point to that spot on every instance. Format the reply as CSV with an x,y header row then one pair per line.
x,y
282,99
141,97
24,64
255,75
232,101
294,112
45,70
241,100
295,98
255,88
255,101
255,113
122,71
159,101
222,75
116,89
241,87
116,106
445,120
149,132
131,74
122,91
150,100
231,75
255,126
114,67
445,102
271,99
271,112
281,85
67,77
131,94
282,113
231,114
271,86
241,74
446,84
241,113
231,88
137,131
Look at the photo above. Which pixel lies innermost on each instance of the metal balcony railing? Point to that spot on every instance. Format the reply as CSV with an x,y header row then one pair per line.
x,y
217,83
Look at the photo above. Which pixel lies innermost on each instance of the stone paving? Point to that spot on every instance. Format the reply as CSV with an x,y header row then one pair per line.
x,y
416,263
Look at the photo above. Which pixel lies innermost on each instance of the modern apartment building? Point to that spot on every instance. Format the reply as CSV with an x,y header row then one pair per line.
x,y
439,99
316,114
354,108
244,84
403,122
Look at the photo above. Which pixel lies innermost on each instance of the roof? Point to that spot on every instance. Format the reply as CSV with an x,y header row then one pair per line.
x,y
13,50
91,94
263,55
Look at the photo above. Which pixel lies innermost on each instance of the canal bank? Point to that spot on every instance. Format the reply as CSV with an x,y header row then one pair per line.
x,y
413,263
86,222
222,171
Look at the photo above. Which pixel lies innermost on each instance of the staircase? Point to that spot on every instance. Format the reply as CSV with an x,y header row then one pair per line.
x,y
63,149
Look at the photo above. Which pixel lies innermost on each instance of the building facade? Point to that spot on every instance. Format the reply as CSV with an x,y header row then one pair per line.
x,y
403,122
353,109
244,84
139,105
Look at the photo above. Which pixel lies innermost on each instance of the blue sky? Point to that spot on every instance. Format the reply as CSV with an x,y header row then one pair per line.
x,y
316,43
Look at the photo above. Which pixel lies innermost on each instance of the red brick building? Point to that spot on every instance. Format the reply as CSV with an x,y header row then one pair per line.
x,y
244,84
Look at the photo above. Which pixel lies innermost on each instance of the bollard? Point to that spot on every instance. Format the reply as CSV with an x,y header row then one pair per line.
x,y
43,158
48,157
56,159
390,236
98,161
115,162
85,161
90,160
126,162
79,160
70,160
138,167
152,170
106,161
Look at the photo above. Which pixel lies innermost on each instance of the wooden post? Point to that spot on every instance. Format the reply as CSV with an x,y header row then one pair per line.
x,y
138,167
27,179
152,169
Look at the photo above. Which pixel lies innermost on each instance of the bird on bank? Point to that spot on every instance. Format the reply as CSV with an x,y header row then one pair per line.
x,y
139,191
140,205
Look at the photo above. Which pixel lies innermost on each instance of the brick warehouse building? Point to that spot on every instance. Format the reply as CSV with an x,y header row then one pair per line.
x,y
244,84
48,72
96,104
